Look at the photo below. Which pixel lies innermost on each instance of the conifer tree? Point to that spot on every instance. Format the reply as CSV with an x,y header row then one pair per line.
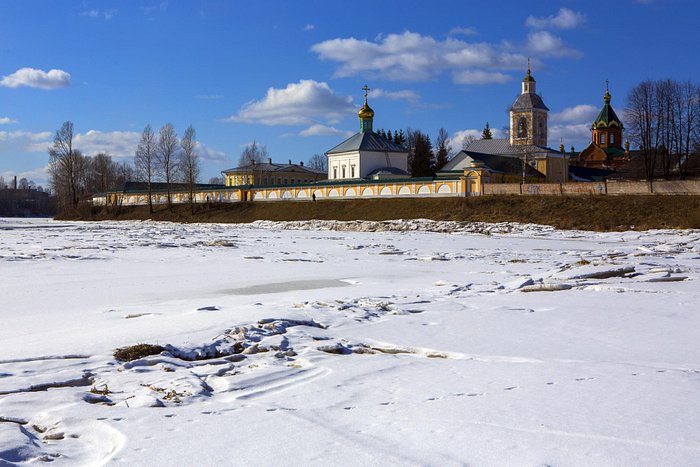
x,y
388,136
421,159
486,134
400,138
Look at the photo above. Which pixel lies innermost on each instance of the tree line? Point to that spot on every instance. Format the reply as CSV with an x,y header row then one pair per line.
x,y
162,157
663,119
424,160
73,176
165,158
22,184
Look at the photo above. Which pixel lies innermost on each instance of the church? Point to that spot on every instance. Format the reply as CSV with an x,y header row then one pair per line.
x,y
524,155
367,155
605,150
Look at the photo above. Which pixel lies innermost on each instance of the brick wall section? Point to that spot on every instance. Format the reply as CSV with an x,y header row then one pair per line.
x,y
594,188
628,188
542,189
501,188
676,187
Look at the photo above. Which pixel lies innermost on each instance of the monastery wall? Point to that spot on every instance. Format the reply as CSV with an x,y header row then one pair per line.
x,y
384,189
465,186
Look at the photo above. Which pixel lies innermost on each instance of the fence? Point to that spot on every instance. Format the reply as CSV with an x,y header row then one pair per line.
x,y
660,187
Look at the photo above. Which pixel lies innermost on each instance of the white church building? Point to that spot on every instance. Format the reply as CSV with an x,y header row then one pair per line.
x,y
367,155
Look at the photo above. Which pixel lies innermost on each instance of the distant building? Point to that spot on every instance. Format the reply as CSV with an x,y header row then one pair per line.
x,y
524,155
270,173
367,154
605,150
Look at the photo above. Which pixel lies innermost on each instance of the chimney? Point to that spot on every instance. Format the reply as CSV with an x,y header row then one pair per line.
x,y
301,163
290,162
269,161
14,182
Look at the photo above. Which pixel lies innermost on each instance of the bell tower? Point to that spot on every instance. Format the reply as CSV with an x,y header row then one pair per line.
x,y
528,115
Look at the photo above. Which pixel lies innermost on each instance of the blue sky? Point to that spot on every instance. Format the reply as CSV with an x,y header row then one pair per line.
x,y
289,74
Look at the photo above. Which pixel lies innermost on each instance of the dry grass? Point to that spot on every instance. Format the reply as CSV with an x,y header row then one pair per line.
x,y
598,213
134,352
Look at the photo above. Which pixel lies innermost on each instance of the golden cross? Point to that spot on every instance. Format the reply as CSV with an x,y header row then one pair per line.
x,y
365,88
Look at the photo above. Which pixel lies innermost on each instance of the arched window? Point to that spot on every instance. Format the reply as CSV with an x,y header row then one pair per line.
x,y
522,127
602,138
612,138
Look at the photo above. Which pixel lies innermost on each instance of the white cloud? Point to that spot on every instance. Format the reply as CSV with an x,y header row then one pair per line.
x,y
546,44
210,154
301,103
578,113
575,134
24,135
564,19
404,95
122,145
95,13
480,77
33,78
7,120
118,144
39,175
309,27
411,56
323,130
463,32
456,141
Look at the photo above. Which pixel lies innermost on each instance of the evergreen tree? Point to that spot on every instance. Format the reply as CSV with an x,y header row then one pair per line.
x,y
420,158
400,138
486,134
388,136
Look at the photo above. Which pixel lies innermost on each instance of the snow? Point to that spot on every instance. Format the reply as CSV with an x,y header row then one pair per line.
x,y
353,343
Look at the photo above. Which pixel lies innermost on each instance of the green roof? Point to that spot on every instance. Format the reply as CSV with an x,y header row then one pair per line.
x,y
607,117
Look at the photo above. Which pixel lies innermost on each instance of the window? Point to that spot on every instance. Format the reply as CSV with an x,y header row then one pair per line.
x,y
352,171
522,127
602,138
343,169
612,138
335,172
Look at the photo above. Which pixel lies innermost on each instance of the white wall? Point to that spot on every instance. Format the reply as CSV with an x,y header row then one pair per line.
x,y
347,160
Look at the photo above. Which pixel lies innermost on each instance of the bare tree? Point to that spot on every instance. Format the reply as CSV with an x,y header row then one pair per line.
x,y
167,156
102,173
253,153
318,162
62,166
189,162
217,181
442,142
644,123
145,161
687,110
469,139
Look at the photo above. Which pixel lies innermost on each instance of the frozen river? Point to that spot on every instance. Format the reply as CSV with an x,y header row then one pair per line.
x,y
324,343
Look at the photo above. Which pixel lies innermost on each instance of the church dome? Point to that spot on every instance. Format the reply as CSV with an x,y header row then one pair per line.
x,y
607,118
366,111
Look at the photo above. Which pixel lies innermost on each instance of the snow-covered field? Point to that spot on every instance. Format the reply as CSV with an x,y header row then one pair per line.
x,y
326,343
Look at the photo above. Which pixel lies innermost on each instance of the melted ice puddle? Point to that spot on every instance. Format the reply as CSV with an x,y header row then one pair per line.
x,y
277,287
